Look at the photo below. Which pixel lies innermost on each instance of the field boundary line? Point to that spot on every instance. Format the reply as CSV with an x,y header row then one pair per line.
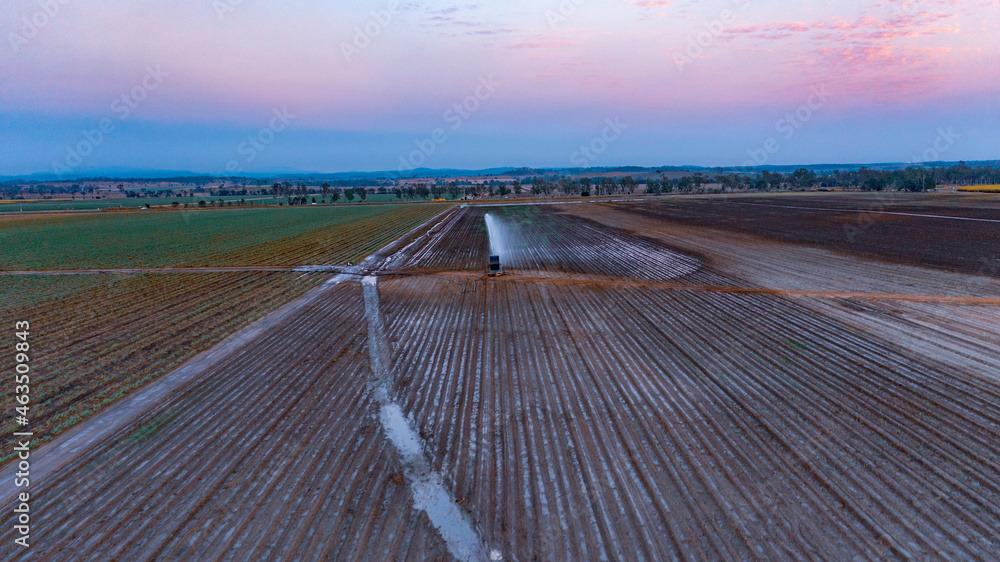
x,y
869,211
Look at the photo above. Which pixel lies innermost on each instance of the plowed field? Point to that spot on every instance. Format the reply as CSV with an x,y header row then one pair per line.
x,y
629,389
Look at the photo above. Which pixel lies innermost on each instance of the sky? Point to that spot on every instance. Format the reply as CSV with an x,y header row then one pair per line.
x,y
255,85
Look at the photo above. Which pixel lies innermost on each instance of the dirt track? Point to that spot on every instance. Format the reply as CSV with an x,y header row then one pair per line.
x,y
618,416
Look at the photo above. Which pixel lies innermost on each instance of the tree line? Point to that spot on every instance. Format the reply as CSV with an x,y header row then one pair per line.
x,y
912,179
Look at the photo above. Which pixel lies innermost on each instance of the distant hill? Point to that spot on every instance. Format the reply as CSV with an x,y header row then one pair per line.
x,y
96,174
291,174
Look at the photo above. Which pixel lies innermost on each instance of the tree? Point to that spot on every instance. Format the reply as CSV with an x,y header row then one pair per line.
x,y
585,187
628,184
276,190
362,193
537,186
335,194
653,187
874,183
326,191
729,182
568,186
422,191
774,180
518,188
453,190
803,178
777,181
437,192
399,193
349,194
698,179
608,186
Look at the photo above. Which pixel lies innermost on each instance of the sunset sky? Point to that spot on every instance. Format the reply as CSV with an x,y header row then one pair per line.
x,y
687,82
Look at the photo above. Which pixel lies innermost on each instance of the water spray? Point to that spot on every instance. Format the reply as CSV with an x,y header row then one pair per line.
x,y
498,245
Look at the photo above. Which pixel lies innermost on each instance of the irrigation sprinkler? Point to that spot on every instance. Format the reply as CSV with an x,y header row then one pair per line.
x,y
498,244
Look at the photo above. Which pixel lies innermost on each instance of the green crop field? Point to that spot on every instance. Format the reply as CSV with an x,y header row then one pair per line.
x,y
206,237
137,203
125,203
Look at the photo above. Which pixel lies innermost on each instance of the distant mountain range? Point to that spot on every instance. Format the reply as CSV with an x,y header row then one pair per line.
x,y
96,174
122,173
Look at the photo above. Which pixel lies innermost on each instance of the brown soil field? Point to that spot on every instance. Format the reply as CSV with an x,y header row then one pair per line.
x,y
273,456
631,388
97,340
858,223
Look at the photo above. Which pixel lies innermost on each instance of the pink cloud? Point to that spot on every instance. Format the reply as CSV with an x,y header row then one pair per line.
x,y
792,26
543,44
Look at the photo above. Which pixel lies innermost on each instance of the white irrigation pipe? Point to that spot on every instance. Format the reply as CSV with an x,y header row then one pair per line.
x,y
427,486
872,211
